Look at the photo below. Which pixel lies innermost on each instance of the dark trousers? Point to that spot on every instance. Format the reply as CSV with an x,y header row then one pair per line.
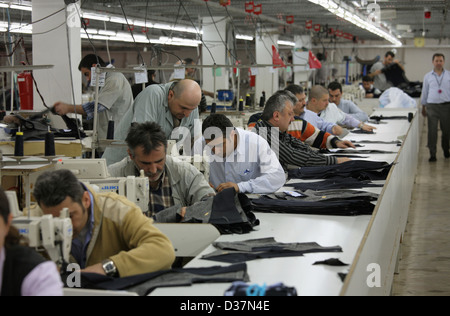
x,y
438,113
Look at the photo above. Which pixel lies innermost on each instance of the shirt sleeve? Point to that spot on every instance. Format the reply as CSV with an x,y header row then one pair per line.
x,y
43,280
89,108
425,88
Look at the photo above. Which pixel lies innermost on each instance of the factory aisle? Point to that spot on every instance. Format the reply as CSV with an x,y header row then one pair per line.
x,y
425,264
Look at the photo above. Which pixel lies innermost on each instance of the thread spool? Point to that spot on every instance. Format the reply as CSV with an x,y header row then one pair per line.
x,y
49,144
213,108
110,133
18,146
248,100
241,105
410,117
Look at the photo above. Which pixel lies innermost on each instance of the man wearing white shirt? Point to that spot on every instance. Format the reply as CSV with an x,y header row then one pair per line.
x,y
240,159
436,105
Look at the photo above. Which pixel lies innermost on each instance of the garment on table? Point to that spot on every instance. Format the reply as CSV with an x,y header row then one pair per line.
x,y
350,207
144,284
265,248
327,195
329,184
331,262
393,117
228,212
396,142
360,151
242,289
361,131
358,169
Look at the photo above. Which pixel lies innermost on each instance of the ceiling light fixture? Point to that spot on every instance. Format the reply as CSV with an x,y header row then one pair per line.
x,y
344,12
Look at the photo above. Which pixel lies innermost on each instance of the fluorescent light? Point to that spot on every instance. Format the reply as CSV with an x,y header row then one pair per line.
x,y
245,37
286,43
21,7
344,12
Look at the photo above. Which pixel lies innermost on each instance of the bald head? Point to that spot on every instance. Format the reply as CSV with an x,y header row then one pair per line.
x,y
184,98
318,99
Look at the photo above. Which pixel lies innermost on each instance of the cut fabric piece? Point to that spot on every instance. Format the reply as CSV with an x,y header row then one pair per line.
x,y
146,283
327,195
344,183
358,169
331,262
331,208
234,252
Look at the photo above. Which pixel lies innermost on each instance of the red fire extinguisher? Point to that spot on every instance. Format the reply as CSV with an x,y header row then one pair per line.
x,y
25,81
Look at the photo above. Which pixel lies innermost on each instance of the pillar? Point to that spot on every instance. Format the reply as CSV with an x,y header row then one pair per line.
x,y
53,42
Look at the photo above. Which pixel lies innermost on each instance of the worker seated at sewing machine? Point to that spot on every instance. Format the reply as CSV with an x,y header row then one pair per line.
x,y
23,272
111,236
173,184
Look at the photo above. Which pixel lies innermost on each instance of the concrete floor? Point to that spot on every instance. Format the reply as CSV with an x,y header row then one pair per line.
x,y
425,264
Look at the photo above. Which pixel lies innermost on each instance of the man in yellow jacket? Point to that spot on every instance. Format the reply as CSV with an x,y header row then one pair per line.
x,y
111,236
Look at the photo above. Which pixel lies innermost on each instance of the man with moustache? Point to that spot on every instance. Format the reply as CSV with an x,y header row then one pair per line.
x,y
173,184
111,236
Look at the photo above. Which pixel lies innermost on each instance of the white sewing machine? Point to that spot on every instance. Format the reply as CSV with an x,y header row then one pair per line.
x,y
94,172
54,234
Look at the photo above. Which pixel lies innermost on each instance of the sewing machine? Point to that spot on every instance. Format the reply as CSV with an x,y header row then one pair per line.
x,y
198,161
54,234
94,172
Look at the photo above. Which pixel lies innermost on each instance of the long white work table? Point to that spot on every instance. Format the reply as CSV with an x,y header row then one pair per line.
x,y
370,243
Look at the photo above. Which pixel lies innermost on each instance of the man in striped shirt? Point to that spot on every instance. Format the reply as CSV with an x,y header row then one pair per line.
x,y
273,126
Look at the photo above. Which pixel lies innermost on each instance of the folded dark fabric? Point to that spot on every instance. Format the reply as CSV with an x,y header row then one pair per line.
x,y
243,289
327,195
331,208
146,283
331,262
329,184
234,252
358,169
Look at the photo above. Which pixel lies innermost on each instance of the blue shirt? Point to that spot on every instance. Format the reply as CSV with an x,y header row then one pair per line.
x,y
432,84
317,121
79,247
253,166
351,108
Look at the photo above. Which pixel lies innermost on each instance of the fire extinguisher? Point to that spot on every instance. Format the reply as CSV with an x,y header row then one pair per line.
x,y
25,81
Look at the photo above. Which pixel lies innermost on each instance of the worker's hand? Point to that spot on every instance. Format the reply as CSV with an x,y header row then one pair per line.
x,y
228,185
424,111
62,108
98,269
182,213
10,119
337,130
342,160
345,144
368,128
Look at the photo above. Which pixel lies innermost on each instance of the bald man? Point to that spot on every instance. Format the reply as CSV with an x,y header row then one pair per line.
x,y
174,106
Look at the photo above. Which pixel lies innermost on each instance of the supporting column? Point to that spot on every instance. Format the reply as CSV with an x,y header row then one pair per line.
x,y
267,79
301,57
54,41
218,50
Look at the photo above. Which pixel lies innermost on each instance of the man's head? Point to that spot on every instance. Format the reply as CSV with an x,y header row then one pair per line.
x,y
335,90
220,135
438,61
59,189
184,97
279,110
389,58
318,99
88,62
190,72
298,91
367,82
147,147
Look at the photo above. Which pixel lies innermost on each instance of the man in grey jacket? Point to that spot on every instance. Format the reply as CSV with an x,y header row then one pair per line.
x,y
173,184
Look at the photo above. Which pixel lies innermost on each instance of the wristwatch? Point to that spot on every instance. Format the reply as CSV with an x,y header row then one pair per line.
x,y
110,268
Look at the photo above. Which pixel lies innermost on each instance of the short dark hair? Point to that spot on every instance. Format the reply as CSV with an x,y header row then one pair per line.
x,y
4,205
390,54
90,60
438,55
148,135
335,86
367,79
53,187
188,61
219,121
295,89
277,103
